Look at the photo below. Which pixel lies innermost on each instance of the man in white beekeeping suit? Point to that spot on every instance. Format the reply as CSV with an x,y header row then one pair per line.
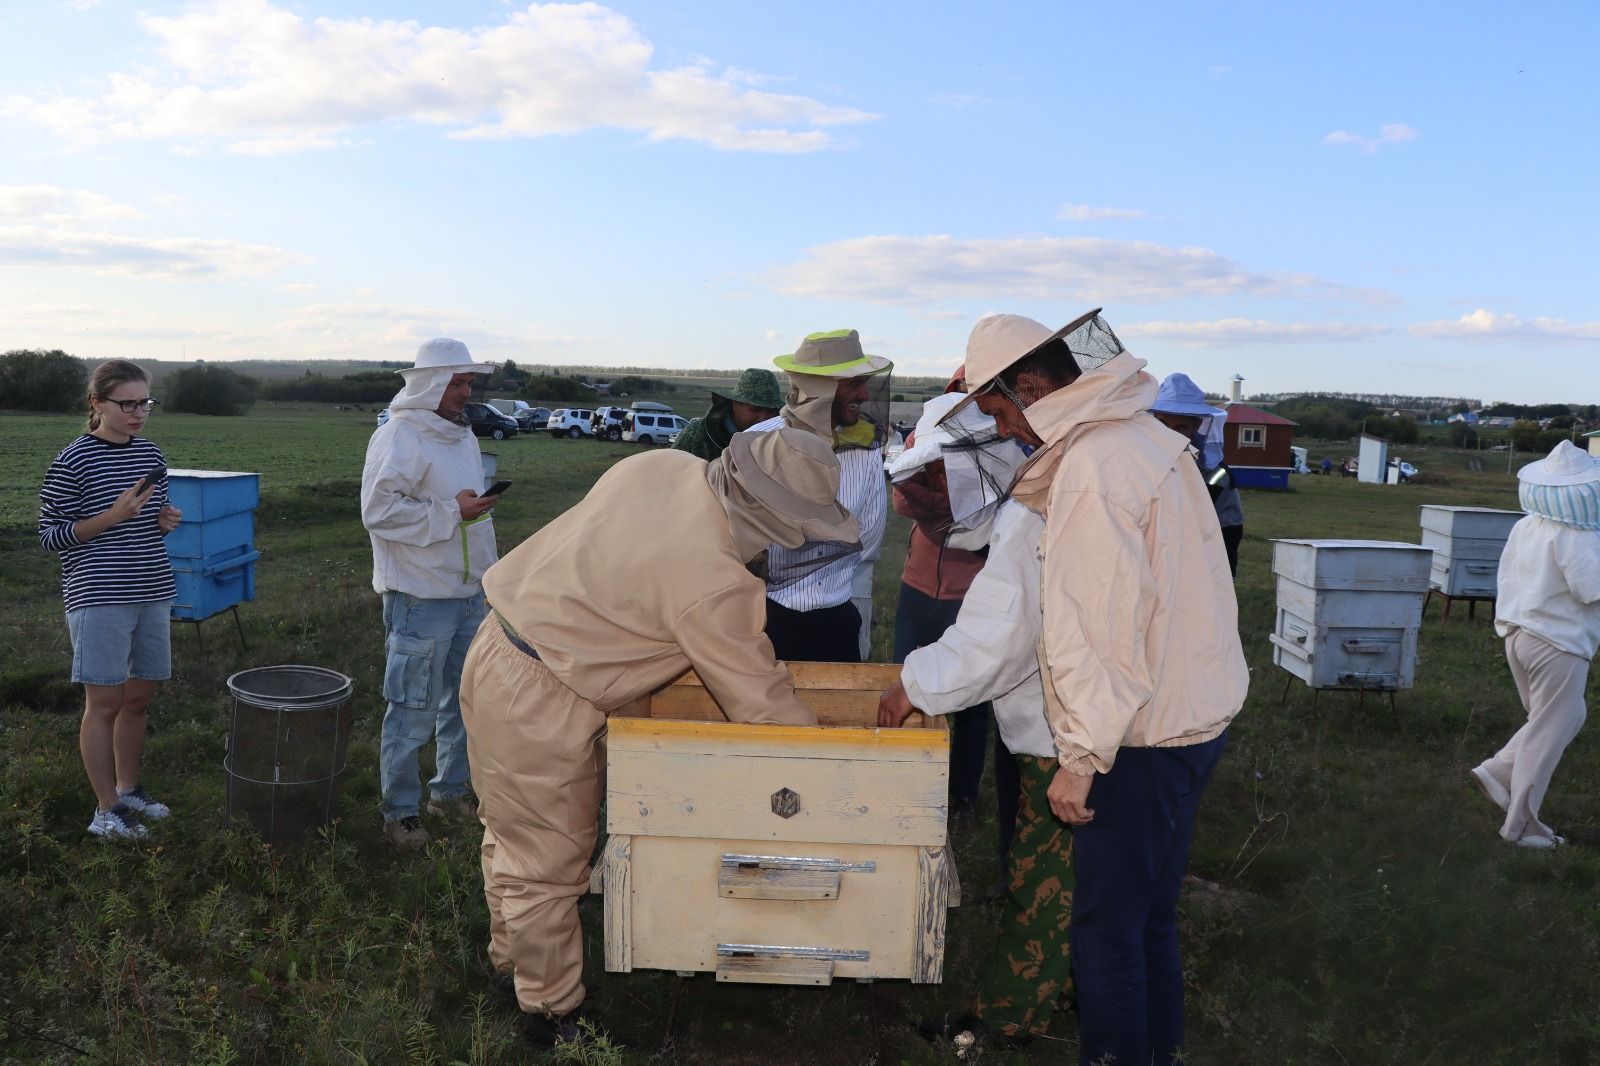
x,y
432,539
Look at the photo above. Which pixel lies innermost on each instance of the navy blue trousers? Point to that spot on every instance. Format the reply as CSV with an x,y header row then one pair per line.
x,y
920,620
1124,933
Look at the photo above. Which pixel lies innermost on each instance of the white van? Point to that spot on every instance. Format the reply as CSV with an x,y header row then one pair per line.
x,y
651,427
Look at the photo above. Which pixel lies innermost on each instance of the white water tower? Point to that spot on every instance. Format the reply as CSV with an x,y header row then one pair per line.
x,y
1238,389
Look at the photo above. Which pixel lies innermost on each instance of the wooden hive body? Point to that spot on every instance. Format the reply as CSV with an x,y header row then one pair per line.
x,y
1349,611
778,854
1466,544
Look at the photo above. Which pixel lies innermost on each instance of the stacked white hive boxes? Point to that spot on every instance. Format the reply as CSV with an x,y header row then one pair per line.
x,y
1349,611
1466,544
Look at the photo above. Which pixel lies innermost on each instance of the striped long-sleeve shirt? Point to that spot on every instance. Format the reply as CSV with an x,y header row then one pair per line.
x,y
864,492
128,562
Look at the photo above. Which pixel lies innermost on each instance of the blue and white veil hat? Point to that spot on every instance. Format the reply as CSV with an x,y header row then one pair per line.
x,y
1564,487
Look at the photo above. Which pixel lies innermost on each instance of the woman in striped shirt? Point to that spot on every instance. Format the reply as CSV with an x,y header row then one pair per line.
x,y
104,509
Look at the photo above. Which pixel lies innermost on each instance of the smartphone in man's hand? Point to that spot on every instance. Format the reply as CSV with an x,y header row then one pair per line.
x,y
156,473
497,488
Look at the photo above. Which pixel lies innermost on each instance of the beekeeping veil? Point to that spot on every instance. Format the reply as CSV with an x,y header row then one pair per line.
x,y
437,362
817,370
1564,487
781,488
998,342
979,466
1179,395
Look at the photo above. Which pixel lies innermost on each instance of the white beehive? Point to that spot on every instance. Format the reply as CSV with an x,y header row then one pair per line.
x,y
1349,611
1466,544
778,854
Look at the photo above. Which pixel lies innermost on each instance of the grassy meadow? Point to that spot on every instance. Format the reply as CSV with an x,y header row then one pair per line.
x,y
1350,901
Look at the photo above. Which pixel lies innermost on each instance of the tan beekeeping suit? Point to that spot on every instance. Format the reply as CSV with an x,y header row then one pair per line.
x,y
642,579
1141,641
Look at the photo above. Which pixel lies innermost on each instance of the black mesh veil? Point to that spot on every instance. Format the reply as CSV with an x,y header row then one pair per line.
x,y
1092,343
871,428
979,467
786,566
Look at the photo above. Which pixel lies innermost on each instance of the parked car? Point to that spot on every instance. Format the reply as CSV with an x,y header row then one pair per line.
x,y
571,422
642,427
1407,471
606,423
383,416
534,419
487,422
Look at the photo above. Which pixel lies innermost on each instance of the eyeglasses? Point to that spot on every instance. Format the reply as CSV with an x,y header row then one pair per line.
x,y
149,403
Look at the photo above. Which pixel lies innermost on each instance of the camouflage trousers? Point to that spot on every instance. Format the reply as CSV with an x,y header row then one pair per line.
x,y
1032,968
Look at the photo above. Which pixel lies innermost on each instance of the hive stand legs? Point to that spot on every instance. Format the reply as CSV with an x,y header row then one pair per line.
x,y
618,879
200,633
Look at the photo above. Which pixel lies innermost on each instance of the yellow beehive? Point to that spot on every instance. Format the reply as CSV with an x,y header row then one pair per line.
x,y
778,854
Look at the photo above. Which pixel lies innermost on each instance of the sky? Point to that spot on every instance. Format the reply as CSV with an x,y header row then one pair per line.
x,y
1341,197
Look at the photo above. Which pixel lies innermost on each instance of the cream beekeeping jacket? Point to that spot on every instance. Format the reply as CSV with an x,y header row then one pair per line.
x,y
1141,635
990,651
416,463
1550,584
617,607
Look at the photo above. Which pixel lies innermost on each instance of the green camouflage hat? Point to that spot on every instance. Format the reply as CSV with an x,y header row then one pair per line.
x,y
756,387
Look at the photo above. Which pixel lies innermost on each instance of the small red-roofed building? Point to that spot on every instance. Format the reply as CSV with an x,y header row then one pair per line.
x,y
1256,446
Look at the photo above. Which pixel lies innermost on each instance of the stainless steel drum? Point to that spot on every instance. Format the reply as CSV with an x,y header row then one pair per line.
x,y
286,748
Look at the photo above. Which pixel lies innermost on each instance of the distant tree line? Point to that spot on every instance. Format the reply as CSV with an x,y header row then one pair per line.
x,y
1539,412
369,386
207,390
1375,400
38,380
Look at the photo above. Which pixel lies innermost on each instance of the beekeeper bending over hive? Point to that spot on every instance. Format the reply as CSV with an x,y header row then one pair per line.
x,y
583,621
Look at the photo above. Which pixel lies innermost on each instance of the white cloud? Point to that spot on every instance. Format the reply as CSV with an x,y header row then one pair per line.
x,y
1391,133
162,258
936,315
49,204
1485,325
260,78
299,286
772,334
944,269
1233,332
1086,213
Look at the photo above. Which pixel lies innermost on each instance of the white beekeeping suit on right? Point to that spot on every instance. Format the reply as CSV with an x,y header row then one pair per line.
x,y
1548,611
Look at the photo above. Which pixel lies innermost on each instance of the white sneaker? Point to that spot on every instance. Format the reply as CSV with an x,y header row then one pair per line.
x,y
139,800
119,823
1543,843
1497,793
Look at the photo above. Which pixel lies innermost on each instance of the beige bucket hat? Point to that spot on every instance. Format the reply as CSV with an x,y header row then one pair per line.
x,y
998,342
836,354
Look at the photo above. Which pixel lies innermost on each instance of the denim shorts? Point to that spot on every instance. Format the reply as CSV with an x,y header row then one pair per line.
x,y
112,642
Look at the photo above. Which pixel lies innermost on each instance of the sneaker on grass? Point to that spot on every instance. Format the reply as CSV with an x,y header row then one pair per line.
x,y
406,834
119,823
141,802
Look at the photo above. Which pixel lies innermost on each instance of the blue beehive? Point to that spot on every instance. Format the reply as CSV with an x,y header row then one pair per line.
x,y
213,549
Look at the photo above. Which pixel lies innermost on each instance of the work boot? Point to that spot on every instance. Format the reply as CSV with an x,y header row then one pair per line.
x,y
548,1030
464,807
406,834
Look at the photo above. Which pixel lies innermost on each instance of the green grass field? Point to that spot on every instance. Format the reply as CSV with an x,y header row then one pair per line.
x,y
1350,901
